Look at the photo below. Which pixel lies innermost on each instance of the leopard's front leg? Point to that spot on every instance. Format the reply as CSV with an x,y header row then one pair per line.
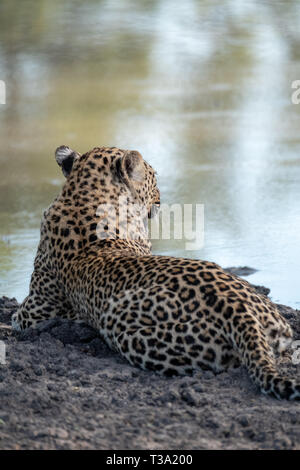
x,y
46,300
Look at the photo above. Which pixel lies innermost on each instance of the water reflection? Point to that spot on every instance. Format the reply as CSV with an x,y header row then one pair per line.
x,y
202,90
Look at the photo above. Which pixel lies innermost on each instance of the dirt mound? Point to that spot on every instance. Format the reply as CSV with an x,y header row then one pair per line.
x,y
62,388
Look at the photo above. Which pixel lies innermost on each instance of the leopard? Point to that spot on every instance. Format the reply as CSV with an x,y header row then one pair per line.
x,y
172,316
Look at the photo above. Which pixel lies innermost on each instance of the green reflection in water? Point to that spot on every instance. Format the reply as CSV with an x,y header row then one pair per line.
x,y
202,90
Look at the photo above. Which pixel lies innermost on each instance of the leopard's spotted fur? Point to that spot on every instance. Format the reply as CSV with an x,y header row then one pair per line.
x,y
166,314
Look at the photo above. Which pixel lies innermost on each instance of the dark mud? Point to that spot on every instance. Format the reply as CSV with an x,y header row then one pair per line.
x,y
62,388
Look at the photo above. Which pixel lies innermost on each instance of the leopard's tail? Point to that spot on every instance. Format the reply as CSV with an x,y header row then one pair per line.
x,y
258,357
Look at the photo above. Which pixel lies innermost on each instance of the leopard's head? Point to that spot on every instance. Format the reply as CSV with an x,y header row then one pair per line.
x,y
108,194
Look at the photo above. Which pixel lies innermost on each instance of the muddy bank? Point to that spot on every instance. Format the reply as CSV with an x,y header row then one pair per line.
x,y
62,388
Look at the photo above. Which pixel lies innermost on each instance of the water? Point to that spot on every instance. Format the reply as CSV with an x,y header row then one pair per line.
x,y
201,88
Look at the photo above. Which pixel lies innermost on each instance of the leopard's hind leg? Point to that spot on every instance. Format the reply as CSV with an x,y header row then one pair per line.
x,y
151,329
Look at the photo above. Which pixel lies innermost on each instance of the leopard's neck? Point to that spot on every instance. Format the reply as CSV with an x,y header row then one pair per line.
x,y
120,246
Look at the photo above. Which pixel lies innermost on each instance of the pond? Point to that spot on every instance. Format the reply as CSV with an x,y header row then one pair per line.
x,y
201,88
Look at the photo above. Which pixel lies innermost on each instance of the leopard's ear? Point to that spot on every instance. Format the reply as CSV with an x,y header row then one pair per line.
x,y
133,165
65,158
